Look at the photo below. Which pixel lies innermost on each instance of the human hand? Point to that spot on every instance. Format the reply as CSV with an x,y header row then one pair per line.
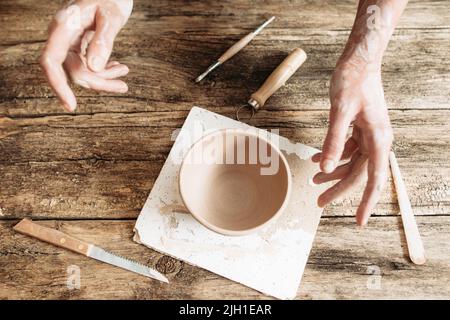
x,y
81,38
357,97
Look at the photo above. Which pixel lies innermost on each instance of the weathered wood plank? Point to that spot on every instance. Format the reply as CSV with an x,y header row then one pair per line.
x,y
102,162
104,165
164,58
76,189
93,188
212,17
343,257
164,74
419,136
340,265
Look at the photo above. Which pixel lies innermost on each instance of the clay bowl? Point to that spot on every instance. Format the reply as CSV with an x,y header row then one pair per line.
x,y
229,193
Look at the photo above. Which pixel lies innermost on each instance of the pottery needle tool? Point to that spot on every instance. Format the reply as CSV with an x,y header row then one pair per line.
x,y
235,48
276,80
60,239
413,239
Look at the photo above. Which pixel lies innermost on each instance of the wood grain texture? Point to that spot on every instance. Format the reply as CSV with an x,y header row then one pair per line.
x,y
186,38
419,83
104,165
340,266
97,165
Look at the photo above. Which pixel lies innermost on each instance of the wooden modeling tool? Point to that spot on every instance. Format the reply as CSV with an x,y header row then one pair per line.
x,y
275,81
235,48
60,239
413,239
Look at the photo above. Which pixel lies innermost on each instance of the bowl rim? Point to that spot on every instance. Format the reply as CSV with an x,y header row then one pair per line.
x,y
224,231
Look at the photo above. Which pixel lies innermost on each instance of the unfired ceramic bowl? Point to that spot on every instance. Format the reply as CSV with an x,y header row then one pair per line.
x,y
233,198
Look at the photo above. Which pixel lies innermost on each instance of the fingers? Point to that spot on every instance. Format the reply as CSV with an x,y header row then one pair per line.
x,y
339,173
316,157
85,41
58,82
349,149
51,61
334,142
108,23
66,31
91,81
112,64
113,71
379,147
340,188
87,79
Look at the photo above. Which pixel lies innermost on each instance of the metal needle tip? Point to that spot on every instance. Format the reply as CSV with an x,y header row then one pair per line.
x,y
210,68
265,24
218,63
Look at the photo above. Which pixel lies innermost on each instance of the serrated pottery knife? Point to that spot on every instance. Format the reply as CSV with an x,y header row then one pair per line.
x,y
60,239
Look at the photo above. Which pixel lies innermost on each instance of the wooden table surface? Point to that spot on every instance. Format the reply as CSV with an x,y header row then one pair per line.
x,y
89,173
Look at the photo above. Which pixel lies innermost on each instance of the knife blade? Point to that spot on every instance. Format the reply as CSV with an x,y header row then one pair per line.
x,y
124,263
60,239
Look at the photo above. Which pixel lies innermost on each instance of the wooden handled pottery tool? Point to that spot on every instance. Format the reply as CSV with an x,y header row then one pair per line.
x,y
276,80
413,239
235,48
63,240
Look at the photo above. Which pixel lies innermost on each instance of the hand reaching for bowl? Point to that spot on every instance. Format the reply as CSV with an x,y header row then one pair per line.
x,y
357,97
80,42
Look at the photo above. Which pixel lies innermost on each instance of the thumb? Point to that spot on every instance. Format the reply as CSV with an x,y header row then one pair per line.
x,y
107,26
333,145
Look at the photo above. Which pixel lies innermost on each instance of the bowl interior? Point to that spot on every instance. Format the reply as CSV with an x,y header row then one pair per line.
x,y
230,185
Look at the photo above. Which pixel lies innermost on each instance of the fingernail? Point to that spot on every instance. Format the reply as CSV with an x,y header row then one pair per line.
x,y
320,203
365,221
97,64
316,179
68,108
328,166
124,88
362,222
315,158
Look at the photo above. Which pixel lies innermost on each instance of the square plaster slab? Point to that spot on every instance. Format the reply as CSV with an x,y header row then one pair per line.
x,y
272,260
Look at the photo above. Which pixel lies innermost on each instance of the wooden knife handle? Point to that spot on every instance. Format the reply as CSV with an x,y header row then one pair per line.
x,y
53,236
235,48
278,77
